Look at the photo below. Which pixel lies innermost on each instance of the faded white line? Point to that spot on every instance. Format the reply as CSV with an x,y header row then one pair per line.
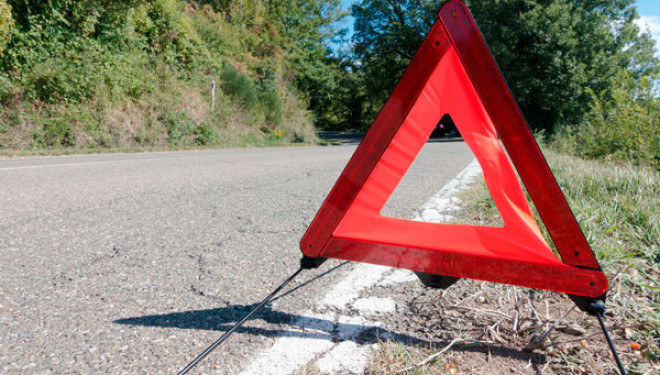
x,y
440,207
291,351
347,290
54,165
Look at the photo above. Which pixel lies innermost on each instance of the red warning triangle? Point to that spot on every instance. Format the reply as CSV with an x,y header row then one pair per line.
x,y
454,73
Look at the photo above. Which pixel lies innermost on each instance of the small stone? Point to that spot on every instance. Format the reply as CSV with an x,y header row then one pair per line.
x,y
573,329
628,334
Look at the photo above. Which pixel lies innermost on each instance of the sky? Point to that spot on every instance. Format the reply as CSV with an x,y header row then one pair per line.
x,y
649,17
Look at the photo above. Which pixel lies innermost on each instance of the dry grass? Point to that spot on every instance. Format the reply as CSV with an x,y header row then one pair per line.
x,y
194,105
165,121
127,123
297,120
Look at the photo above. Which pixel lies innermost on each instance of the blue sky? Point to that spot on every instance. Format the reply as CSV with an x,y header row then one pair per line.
x,y
648,6
649,11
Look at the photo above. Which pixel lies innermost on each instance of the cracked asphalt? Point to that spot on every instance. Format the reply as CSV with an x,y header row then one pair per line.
x,y
134,263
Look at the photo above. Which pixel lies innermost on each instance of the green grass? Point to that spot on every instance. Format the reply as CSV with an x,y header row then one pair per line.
x,y
618,208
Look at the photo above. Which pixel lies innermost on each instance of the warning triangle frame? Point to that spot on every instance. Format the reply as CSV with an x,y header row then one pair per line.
x,y
578,275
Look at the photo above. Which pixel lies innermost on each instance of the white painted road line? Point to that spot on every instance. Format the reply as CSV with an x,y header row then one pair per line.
x,y
55,165
290,352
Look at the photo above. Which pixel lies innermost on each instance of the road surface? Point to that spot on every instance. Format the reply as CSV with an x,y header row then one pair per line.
x,y
134,263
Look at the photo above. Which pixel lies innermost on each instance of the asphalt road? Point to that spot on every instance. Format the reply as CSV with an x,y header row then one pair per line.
x,y
134,263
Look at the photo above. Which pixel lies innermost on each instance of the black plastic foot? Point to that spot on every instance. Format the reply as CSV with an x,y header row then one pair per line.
x,y
436,281
309,263
592,305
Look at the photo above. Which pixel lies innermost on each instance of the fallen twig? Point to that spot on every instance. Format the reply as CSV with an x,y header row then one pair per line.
x,y
514,326
535,313
431,357
545,367
469,298
489,311
536,342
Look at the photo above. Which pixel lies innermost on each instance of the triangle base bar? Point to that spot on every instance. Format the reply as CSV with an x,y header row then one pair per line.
x,y
560,278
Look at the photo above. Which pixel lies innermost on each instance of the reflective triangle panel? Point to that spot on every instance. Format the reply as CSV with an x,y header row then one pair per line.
x,y
440,81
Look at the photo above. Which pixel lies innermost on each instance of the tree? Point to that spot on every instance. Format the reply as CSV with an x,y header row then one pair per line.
x,y
387,35
301,29
306,28
553,53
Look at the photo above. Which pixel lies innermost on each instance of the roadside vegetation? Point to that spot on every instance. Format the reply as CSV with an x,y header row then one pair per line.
x,y
95,75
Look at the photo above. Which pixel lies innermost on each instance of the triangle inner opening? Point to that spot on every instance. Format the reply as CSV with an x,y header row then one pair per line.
x,y
447,90
434,189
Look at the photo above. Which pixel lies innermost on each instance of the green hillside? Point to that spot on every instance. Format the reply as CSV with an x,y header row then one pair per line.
x,y
124,74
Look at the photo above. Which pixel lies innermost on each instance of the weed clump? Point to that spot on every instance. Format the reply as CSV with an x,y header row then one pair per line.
x,y
626,128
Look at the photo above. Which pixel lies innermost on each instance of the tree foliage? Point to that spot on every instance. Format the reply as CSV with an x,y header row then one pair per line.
x,y
624,128
553,53
6,25
387,35
568,62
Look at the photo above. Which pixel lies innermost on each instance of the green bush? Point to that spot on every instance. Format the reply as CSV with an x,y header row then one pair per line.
x,y
52,82
65,126
7,88
239,86
82,74
178,125
625,128
6,25
55,129
272,107
168,30
206,134
129,76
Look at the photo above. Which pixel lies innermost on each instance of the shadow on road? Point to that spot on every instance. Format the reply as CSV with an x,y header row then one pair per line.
x,y
222,319
344,138
445,140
